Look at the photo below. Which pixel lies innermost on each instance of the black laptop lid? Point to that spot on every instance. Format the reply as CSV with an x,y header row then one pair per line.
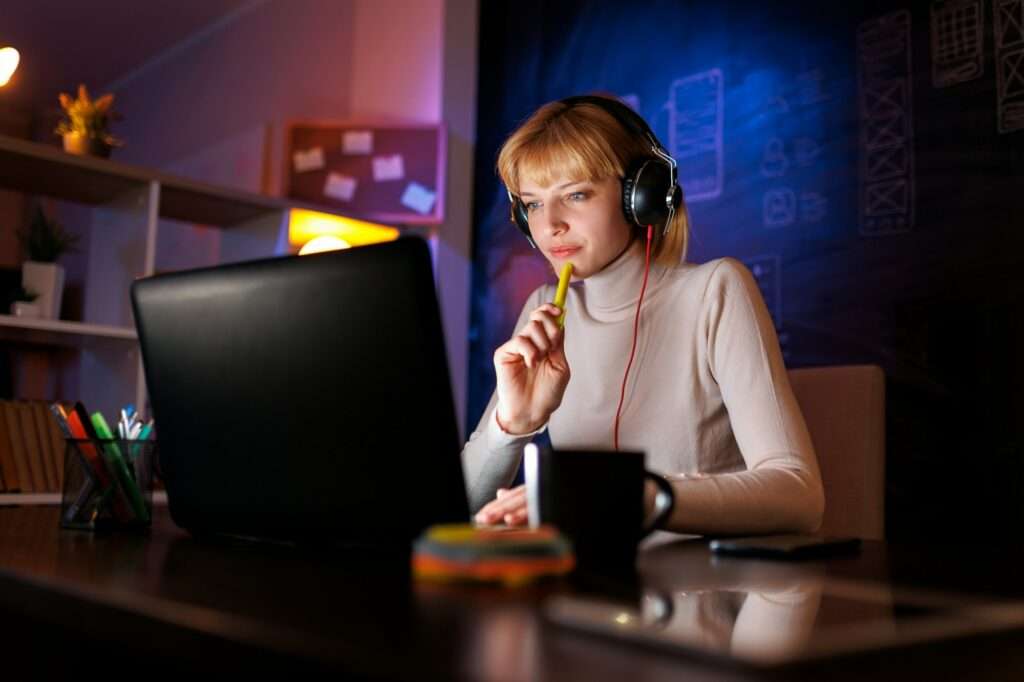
x,y
304,398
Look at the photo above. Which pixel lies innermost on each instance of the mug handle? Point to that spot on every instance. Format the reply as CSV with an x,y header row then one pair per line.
x,y
664,501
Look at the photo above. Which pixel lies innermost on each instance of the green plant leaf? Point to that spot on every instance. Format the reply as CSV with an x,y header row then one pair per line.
x,y
45,240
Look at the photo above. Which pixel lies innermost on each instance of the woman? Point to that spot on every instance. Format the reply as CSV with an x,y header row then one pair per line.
x,y
706,395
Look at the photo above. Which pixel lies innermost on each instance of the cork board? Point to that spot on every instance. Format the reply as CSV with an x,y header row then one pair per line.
x,y
385,173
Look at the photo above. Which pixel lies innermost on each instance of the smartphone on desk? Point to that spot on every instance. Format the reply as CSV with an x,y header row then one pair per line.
x,y
785,546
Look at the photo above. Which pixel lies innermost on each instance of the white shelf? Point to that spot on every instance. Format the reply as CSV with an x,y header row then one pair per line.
x,y
53,499
61,332
121,207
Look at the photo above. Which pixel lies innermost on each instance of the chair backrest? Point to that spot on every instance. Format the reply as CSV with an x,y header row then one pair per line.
x,y
844,407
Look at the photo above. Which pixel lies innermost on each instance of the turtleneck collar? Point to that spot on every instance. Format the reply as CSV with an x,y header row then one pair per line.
x,y
612,293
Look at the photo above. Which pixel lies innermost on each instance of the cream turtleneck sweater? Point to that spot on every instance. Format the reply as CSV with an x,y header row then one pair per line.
x,y
708,399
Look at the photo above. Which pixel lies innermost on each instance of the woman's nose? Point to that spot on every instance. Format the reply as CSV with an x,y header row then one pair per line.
x,y
553,220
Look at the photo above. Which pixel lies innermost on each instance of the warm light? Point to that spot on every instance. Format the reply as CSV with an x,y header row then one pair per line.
x,y
325,242
304,225
9,58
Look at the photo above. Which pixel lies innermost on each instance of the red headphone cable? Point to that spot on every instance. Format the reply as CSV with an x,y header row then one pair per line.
x,y
636,328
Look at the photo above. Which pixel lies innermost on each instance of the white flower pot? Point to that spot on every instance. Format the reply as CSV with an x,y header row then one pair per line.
x,y
24,309
47,281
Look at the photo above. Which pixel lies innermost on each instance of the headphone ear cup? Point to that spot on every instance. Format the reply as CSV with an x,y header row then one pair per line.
x,y
521,220
648,191
628,183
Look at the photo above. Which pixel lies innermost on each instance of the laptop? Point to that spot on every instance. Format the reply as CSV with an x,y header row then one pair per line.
x,y
304,399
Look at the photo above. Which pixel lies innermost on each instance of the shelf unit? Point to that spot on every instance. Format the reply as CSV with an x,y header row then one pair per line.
x,y
53,499
130,215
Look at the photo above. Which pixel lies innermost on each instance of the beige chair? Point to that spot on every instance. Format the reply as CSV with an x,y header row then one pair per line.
x,y
844,407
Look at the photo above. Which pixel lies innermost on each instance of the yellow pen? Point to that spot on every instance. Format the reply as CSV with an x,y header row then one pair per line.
x,y
563,289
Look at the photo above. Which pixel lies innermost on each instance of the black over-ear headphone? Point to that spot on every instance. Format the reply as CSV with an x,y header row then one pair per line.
x,y
650,189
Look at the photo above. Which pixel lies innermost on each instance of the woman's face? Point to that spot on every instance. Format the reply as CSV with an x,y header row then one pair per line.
x,y
577,221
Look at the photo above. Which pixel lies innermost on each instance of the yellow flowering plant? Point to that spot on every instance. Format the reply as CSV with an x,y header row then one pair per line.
x,y
87,117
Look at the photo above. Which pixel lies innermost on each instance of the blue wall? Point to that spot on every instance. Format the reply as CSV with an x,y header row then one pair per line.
x,y
865,162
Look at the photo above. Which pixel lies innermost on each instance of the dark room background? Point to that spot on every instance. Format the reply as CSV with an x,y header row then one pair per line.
x,y
863,159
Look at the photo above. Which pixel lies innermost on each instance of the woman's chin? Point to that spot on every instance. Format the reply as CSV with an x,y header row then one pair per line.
x,y
578,271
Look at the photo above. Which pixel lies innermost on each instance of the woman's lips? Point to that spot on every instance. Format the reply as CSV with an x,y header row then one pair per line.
x,y
564,251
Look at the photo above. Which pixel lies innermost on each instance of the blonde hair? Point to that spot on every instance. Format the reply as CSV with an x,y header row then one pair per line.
x,y
583,141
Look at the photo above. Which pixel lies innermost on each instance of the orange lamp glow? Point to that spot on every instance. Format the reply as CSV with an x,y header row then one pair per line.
x,y
325,242
9,59
305,225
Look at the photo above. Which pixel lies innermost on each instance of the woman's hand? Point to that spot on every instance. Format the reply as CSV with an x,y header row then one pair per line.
x,y
508,507
532,373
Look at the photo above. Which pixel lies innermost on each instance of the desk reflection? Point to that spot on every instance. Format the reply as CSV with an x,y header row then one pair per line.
x,y
755,623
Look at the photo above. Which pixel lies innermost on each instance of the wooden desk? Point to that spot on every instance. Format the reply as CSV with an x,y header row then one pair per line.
x,y
165,603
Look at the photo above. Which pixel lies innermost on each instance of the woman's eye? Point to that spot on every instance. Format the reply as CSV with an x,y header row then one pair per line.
x,y
577,196
532,205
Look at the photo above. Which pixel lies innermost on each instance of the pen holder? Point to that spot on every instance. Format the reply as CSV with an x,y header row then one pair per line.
x,y
108,484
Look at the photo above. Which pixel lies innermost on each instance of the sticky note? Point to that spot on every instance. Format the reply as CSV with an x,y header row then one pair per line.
x,y
388,167
308,160
340,187
357,141
418,198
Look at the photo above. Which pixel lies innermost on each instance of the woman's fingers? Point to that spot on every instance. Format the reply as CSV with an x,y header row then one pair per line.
x,y
547,316
539,337
519,347
535,332
542,331
517,518
510,504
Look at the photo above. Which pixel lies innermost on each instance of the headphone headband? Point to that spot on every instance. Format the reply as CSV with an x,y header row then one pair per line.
x,y
622,113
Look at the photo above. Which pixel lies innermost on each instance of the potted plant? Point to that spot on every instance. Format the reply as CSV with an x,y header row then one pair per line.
x,y
22,305
85,128
44,241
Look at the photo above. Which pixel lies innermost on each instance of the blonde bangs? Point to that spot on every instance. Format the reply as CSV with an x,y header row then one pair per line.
x,y
578,144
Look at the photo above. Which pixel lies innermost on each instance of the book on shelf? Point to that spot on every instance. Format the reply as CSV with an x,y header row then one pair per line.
x,y
31,448
31,439
41,416
10,468
17,443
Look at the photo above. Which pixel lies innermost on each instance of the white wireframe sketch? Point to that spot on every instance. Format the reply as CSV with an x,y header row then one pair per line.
x,y
780,209
806,151
958,28
767,271
774,162
696,123
1009,51
886,135
813,207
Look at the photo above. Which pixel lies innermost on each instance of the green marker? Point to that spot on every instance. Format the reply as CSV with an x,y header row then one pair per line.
x,y
115,459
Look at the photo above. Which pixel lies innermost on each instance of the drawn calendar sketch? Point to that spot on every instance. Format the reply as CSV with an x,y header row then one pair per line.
x,y
695,130
958,27
767,273
1009,50
886,134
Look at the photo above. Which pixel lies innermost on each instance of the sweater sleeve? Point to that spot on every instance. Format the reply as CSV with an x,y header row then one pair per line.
x,y
781,489
491,457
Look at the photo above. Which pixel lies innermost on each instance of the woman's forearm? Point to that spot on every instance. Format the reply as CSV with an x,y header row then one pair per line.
x,y
765,500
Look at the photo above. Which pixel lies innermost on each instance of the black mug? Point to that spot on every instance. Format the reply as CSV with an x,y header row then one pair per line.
x,y
596,498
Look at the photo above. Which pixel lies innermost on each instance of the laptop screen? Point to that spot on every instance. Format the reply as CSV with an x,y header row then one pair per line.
x,y
304,398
